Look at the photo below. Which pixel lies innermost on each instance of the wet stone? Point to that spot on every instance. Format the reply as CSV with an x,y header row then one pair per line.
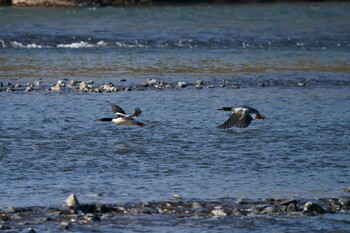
x,y
151,82
72,202
235,86
4,227
60,83
292,207
37,83
30,88
313,208
55,88
182,84
92,217
196,205
101,208
29,230
287,202
65,225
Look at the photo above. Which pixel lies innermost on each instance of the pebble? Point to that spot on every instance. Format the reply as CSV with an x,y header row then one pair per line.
x,y
196,205
182,84
177,197
4,227
37,83
65,225
312,208
198,85
87,86
218,211
235,86
60,83
15,217
55,88
151,82
29,230
30,88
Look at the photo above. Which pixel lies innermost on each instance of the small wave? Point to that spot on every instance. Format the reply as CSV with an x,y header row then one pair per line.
x,y
159,43
76,45
16,44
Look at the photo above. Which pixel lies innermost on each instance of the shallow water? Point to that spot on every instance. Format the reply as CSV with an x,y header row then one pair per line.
x,y
55,144
52,146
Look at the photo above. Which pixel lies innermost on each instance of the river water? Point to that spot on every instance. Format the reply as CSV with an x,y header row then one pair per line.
x,y
290,60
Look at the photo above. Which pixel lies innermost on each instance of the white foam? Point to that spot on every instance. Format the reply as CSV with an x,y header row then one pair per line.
x,y
76,45
102,43
16,44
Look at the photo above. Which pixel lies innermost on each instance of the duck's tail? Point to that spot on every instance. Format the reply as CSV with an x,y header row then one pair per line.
x,y
260,116
140,124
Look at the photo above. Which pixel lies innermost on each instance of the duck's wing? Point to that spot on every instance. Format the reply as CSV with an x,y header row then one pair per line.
x,y
136,113
231,121
244,121
250,110
117,110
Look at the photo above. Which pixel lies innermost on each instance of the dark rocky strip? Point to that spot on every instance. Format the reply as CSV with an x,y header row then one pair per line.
x,y
153,84
74,213
65,3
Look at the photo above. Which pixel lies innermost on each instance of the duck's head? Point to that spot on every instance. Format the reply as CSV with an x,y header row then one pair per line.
x,y
225,109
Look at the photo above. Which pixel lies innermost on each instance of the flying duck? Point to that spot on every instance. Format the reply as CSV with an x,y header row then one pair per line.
x,y
241,116
121,118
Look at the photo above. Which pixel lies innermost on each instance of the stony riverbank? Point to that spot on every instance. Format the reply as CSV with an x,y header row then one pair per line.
x,y
155,84
72,3
74,214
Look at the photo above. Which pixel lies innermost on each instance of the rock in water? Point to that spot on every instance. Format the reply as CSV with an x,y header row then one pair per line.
x,y
182,84
72,202
312,208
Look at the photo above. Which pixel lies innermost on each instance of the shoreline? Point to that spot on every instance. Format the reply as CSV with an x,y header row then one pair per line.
x,y
102,3
75,214
93,86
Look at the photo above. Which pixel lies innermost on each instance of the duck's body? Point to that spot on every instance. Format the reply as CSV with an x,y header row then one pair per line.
x,y
241,117
122,118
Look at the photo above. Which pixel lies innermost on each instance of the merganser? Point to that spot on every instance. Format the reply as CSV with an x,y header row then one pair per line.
x,y
241,117
121,117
